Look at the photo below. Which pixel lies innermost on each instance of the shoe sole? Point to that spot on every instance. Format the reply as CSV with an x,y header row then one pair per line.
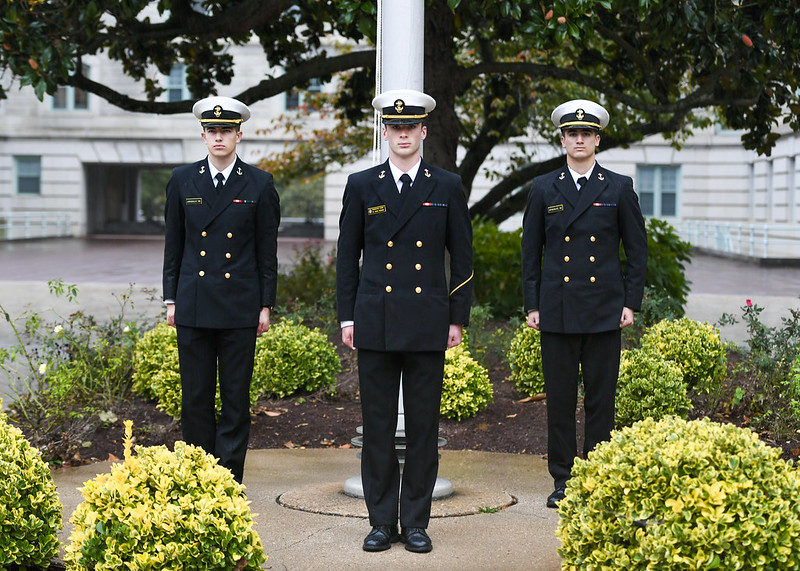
x,y
418,550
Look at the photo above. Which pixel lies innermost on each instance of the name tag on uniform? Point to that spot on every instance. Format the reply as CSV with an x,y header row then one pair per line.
x,y
191,201
555,208
373,210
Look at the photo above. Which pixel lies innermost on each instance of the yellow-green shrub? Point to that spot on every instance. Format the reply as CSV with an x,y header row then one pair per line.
x,y
649,386
291,358
525,360
30,511
695,347
156,373
466,388
164,510
676,494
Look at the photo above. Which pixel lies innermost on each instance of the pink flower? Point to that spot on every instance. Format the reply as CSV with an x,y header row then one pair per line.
x,y
749,303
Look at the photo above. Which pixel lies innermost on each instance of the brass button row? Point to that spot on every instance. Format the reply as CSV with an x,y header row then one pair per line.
x,y
591,279
416,289
591,239
390,243
202,273
204,234
417,267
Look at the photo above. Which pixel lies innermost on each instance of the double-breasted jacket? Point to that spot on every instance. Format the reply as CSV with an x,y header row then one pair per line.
x,y
571,265
220,253
400,298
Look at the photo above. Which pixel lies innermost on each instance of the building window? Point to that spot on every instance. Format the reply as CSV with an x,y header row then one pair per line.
x,y
28,174
295,98
72,98
177,89
657,187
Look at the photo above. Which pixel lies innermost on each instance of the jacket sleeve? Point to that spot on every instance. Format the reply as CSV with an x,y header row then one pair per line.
x,y
173,239
459,245
348,251
533,242
634,242
267,222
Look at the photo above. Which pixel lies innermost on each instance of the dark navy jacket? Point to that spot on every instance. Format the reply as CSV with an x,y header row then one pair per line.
x,y
571,268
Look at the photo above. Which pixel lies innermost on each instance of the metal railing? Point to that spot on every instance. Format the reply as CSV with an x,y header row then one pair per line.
x,y
781,241
25,225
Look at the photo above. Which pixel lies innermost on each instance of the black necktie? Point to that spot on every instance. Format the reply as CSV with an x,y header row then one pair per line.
x,y
581,182
406,180
220,181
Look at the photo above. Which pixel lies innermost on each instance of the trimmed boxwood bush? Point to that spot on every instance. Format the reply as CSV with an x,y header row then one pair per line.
x,y
525,360
676,494
30,511
649,387
695,347
290,357
164,510
466,388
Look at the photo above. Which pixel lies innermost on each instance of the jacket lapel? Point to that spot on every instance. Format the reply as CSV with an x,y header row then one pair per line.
x,y
420,190
565,186
595,185
234,186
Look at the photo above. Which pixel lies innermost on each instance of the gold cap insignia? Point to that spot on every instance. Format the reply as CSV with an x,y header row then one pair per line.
x,y
217,111
579,114
399,105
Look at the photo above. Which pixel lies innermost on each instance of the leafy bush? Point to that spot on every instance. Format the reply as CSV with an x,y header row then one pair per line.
x,y
667,255
525,360
695,347
291,358
157,374
466,388
164,510
30,511
673,494
497,260
307,292
649,387
770,359
68,372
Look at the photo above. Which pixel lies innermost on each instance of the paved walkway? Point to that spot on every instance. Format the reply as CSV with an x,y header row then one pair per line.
x,y
521,535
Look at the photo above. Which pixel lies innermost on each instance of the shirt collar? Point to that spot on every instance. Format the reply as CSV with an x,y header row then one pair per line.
x,y
226,172
397,173
577,175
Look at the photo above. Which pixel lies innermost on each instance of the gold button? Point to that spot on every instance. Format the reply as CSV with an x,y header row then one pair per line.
x,y
566,279
227,255
230,235
591,258
203,233
388,289
390,243
388,266
418,289
418,267
419,243
566,238
591,279
201,273
592,238
566,258
202,252
227,276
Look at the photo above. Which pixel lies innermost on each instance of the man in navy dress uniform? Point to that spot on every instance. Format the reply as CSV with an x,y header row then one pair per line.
x,y
400,311
575,290
220,276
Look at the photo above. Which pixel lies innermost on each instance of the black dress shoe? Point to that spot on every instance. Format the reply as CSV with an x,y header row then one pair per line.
x,y
381,538
555,497
416,540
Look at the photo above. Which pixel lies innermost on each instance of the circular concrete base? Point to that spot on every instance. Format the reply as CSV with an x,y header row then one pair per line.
x,y
330,499
442,489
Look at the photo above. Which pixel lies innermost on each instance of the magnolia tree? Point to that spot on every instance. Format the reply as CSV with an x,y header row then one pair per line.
x,y
495,67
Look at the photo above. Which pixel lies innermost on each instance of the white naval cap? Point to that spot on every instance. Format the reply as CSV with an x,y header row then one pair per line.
x,y
580,113
220,111
403,106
